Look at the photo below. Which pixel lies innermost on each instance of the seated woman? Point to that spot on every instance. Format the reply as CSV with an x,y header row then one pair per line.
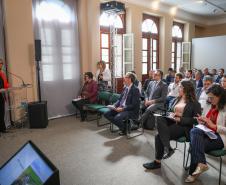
x,y
88,94
214,117
177,124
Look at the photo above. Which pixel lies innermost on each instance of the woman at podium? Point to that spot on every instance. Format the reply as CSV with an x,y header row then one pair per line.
x,y
3,85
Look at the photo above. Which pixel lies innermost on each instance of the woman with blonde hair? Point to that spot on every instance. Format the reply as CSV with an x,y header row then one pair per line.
x,y
103,76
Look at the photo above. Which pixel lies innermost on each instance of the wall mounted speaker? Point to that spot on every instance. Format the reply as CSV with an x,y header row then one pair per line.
x,y
38,50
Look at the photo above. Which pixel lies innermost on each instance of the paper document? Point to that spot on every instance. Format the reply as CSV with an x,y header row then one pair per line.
x,y
111,107
210,133
165,116
76,99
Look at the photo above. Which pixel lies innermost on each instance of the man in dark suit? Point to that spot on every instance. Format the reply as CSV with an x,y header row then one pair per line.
x,y
155,98
127,106
198,79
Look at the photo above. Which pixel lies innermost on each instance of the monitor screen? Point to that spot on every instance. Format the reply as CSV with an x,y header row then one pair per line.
x,y
25,167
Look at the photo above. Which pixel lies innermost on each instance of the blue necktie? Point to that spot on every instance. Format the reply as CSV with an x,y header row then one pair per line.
x,y
153,90
124,97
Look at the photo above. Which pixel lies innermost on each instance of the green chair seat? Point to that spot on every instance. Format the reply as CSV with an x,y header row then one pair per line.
x,y
217,153
103,110
94,106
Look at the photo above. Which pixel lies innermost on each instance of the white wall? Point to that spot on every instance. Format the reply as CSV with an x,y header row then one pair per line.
x,y
209,52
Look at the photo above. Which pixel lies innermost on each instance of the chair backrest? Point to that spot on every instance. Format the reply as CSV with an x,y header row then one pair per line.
x,y
104,95
114,97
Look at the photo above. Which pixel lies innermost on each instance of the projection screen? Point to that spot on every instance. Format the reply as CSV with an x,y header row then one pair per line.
x,y
209,52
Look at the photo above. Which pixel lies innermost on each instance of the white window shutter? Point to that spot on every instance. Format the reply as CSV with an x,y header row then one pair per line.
x,y
186,55
128,52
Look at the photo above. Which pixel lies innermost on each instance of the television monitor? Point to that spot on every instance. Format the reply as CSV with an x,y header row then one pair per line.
x,y
29,166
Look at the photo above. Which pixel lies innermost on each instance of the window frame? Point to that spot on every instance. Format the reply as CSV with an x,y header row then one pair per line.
x,y
150,38
176,42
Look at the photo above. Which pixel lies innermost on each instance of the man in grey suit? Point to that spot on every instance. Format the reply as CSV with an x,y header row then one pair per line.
x,y
155,98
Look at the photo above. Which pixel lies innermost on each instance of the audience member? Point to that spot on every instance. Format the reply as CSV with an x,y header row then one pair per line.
x,y
88,94
170,76
127,106
198,79
214,74
188,76
205,72
214,118
220,75
223,82
137,82
173,89
176,125
150,78
182,71
155,98
103,76
201,91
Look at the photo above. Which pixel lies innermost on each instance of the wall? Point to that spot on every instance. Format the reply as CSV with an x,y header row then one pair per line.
x,y
215,30
20,44
90,40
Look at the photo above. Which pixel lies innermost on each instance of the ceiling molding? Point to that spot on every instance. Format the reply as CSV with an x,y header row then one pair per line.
x,y
180,14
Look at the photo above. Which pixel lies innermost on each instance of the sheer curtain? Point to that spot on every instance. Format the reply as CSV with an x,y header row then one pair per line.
x,y
55,24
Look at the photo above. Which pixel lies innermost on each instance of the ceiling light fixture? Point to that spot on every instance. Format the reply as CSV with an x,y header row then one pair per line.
x,y
216,6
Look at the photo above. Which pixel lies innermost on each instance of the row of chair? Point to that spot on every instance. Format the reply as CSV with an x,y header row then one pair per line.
x,y
106,97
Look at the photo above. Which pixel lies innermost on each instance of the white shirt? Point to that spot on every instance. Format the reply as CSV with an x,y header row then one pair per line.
x,y
173,90
203,98
106,75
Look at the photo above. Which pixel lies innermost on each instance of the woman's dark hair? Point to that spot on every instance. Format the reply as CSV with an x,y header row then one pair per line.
x,y
131,76
218,91
189,90
89,74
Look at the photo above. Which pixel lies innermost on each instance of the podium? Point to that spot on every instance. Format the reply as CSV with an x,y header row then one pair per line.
x,y
15,105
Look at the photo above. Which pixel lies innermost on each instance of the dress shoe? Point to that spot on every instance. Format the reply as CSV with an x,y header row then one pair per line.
x,y
122,133
168,152
200,169
152,166
191,178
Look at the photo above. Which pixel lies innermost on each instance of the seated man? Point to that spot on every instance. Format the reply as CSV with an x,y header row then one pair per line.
x,y
201,92
155,98
88,94
127,106
173,89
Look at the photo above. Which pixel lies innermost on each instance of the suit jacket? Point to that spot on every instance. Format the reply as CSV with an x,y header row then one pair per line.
x,y
160,92
191,110
132,101
200,84
198,92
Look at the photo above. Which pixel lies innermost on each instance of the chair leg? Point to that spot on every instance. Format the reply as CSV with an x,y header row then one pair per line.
x,y
186,165
185,147
220,170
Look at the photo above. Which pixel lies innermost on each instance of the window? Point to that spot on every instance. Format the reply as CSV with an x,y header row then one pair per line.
x,y
53,12
177,39
150,43
118,21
